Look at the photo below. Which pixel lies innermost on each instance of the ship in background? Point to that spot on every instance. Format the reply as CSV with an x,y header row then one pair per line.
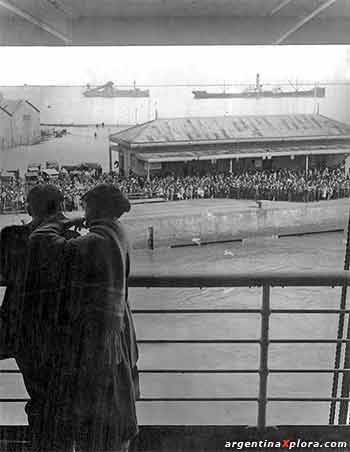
x,y
257,92
109,90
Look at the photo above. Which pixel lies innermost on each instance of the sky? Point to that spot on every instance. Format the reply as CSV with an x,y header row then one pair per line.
x,y
172,64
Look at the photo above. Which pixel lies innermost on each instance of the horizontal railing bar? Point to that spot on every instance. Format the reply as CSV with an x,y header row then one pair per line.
x,y
196,311
221,371
256,279
237,311
290,371
213,399
241,341
198,371
180,371
199,399
199,341
241,399
307,399
308,341
214,371
239,371
309,311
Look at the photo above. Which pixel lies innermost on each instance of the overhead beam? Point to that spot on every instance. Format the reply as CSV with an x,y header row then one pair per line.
x,y
95,31
194,31
280,6
40,22
177,30
306,19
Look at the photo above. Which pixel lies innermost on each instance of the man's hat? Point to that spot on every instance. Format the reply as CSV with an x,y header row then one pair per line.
x,y
108,199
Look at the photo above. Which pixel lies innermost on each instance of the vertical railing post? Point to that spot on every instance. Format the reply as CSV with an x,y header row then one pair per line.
x,y
341,321
345,389
264,356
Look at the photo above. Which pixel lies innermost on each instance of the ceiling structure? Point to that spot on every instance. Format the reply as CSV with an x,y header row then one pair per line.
x,y
174,22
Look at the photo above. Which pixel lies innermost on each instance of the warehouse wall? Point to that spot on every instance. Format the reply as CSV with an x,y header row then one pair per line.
x,y
5,130
26,125
23,128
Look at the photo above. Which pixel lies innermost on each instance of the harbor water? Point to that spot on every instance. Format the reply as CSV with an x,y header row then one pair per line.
x,y
313,252
67,104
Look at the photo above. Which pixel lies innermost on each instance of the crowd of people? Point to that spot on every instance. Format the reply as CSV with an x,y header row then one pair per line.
x,y
278,185
12,196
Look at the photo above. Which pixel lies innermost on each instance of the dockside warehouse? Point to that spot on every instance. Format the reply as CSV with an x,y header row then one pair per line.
x,y
187,146
19,123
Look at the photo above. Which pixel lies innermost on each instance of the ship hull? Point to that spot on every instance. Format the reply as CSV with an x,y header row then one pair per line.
x,y
318,92
120,93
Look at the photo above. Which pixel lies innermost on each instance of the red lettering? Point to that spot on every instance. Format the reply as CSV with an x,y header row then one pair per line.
x,y
285,444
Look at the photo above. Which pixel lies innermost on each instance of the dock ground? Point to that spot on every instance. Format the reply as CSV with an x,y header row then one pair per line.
x,y
192,207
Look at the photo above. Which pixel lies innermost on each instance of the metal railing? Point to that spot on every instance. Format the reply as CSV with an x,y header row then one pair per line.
x,y
265,280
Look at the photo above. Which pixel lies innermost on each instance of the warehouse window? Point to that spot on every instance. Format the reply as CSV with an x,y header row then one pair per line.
x,y
26,117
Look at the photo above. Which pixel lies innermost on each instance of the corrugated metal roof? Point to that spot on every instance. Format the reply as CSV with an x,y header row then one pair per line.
x,y
231,128
10,105
5,112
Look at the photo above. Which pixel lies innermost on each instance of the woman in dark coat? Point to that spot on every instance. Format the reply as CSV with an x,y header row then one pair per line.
x,y
101,351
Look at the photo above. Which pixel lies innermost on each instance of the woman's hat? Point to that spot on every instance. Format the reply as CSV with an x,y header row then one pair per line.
x,y
107,199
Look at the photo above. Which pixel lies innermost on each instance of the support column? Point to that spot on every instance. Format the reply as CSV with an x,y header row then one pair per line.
x,y
306,163
110,159
148,165
231,166
126,163
347,165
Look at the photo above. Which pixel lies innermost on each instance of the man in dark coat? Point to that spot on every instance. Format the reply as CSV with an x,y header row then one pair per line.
x,y
13,243
100,341
35,270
